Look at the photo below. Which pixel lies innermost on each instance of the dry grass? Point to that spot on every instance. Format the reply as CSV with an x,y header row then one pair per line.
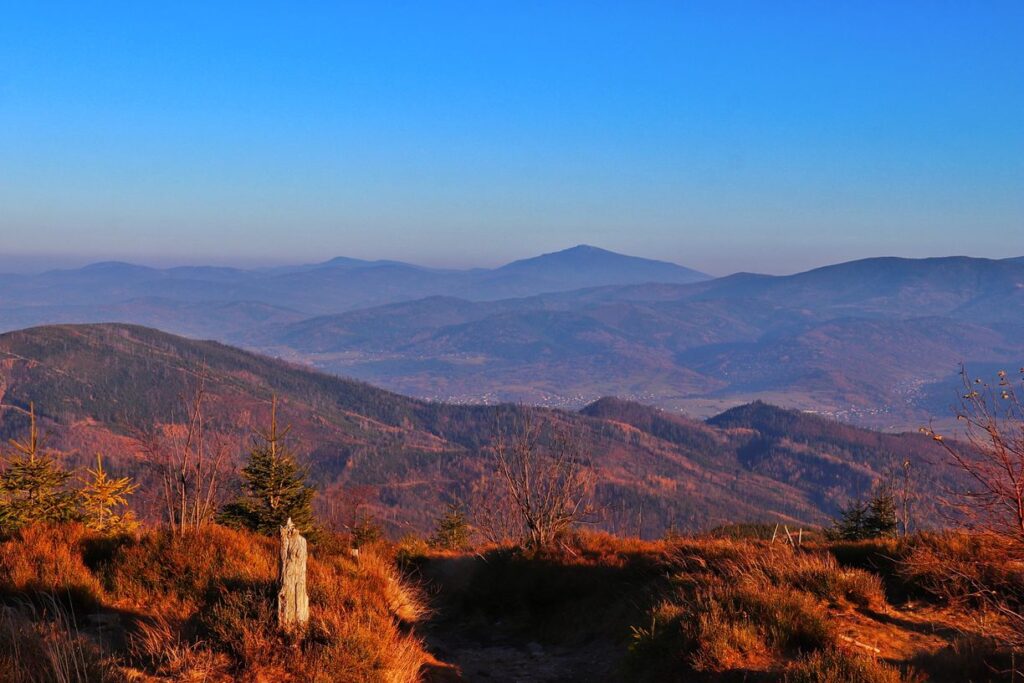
x,y
43,645
201,607
49,560
965,569
749,608
836,665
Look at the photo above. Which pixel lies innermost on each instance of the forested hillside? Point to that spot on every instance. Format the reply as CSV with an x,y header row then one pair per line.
x,y
103,387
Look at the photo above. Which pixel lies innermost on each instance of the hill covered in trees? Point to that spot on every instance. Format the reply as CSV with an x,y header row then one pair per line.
x,y
105,387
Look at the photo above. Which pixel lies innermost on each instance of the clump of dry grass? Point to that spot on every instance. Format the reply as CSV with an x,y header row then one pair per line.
x,y
48,560
182,571
227,601
748,606
730,627
813,571
831,664
159,649
964,569
41,644
816,573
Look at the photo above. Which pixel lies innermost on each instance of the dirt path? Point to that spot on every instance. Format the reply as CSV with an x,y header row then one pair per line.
x,y
474,644
485,626
510,660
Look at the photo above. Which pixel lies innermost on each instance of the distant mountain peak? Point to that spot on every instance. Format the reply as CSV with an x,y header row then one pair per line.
x,y
584,257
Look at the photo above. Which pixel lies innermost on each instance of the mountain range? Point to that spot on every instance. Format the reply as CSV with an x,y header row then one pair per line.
x,y
877,342
333,286
96,387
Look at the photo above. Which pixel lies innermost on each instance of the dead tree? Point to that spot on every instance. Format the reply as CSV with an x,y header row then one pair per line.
x,y
292,599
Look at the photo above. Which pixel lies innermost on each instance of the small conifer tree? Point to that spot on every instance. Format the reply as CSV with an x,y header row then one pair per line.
x,y
33,485
273,487
105,501
872,518
881,520
850,526
365,530
452,530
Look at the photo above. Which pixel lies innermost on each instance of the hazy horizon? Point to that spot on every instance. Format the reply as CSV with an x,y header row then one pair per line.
x,y
40,263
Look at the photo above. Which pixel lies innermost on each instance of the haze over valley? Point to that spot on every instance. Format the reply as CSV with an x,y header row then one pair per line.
x,y
876,342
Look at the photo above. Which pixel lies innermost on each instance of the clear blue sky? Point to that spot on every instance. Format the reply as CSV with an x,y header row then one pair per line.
x,y
724,136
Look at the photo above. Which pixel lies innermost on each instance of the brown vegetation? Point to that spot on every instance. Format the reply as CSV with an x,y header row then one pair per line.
x,y
200,606
598,607
196,606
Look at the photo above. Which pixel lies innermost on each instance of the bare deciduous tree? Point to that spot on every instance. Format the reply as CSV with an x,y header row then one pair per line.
x,y
493,514
190,463
545,480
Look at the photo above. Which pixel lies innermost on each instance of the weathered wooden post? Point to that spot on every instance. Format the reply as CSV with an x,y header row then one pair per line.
x,y
292,599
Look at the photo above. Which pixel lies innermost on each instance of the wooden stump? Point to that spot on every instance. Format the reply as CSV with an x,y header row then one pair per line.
x,y
292,599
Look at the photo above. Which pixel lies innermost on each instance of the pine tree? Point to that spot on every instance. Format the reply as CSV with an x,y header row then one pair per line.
x,y
33,484
873,518
881,519
102,498
851,526
452,530
273,487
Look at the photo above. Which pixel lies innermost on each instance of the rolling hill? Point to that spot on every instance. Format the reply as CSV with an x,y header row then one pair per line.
x,y
97,385
873,341
877,342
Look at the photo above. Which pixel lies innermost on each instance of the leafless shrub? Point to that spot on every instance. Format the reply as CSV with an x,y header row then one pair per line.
x,y
191,463
990,453
542,483
992,457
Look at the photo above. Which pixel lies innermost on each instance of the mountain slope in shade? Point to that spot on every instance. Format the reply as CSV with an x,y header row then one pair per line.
x,y
95,384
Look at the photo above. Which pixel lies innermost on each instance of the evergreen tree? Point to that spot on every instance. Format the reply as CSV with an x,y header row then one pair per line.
x,y
881,520
102,498
851,526
873,518
273,487
452,530
33,484
365,530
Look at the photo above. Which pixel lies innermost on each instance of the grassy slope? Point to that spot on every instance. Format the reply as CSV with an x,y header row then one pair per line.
x,y
201,607
154,607
609,609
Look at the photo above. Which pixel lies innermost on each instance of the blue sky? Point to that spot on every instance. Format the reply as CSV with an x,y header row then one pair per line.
x,y
725,136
